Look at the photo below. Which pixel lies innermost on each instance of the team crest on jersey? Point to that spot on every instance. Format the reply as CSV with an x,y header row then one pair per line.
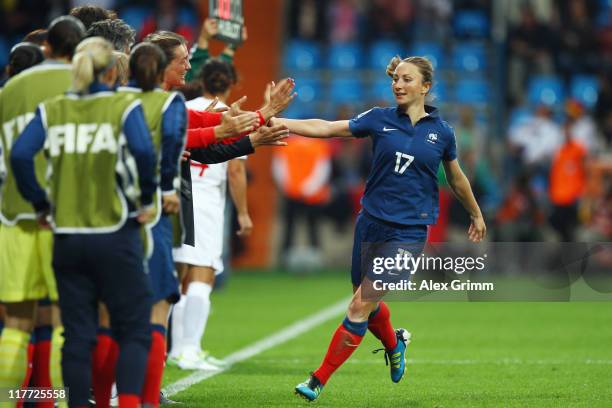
x,y
432,138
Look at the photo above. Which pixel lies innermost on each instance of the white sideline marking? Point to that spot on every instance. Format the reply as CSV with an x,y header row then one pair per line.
x,y
409,361
262,345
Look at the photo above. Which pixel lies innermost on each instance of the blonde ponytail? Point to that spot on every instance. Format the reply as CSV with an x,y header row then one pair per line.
x,y
93,56
82,71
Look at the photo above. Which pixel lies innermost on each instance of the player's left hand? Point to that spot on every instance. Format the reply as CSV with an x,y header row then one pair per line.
x,y
246,225
146,214
171,203
477,230
44,219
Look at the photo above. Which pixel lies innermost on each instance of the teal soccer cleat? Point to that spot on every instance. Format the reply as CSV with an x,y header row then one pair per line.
x,y
396,358
309,389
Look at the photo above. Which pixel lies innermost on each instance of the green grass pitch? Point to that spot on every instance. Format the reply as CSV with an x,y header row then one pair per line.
x,y
462,354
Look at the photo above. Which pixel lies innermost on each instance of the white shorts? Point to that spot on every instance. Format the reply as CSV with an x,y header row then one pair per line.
x,y
208,214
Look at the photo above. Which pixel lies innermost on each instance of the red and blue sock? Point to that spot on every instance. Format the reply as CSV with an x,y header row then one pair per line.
x,y
104,360
41,374
345,340
379,323
155,366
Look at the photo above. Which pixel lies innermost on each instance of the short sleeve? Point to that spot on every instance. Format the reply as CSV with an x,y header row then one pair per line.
x,y
450,152
361,125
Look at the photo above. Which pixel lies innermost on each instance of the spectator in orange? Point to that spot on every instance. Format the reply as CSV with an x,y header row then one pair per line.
x,y
520,217
302,171
567,183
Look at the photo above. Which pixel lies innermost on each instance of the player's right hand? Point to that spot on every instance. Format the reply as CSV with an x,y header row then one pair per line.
x,y
477,230
269,136
235,125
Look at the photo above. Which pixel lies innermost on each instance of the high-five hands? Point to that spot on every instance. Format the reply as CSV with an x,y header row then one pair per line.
x,y
277,97
269,136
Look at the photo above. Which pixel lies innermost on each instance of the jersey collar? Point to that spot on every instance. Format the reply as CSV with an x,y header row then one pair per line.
x,y
98,87
432,112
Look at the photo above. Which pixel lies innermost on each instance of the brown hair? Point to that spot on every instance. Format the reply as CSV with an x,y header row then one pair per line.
x,y
147,65
423,64
89,14
167,41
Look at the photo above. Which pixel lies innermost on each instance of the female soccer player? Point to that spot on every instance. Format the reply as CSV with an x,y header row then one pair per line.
x,y
26,275
200,264
92,137
166,119
401,199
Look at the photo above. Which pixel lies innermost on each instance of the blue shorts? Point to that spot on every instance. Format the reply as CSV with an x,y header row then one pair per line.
x,y
161,265
377,238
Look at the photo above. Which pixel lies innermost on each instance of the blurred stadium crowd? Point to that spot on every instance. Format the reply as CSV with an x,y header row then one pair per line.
x,y
526,83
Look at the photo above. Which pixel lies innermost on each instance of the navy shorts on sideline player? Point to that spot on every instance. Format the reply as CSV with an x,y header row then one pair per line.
x,y
161,265
373,232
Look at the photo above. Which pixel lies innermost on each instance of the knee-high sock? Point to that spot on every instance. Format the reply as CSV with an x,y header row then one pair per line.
x,y
379,323
55,360
155,366
345,340
178,313
104,360
13,357
40,361
197,308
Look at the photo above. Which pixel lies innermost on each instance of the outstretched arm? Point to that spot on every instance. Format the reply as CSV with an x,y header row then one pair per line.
x,y
316,128
460,185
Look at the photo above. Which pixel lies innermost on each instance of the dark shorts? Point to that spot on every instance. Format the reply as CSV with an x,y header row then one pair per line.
x,y
375,238
161,265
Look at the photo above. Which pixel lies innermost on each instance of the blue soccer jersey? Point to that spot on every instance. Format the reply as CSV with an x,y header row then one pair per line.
x,y
402,186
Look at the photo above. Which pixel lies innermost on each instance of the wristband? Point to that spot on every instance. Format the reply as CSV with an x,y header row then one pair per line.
x,y
261,119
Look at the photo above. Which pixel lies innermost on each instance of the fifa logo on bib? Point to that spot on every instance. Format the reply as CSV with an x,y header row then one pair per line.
x,y
81,138
432,138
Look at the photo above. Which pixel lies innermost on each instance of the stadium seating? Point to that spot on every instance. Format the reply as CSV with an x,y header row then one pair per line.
x,y
301,56
519,115
186,16
381,53
380,90
469,57
300,110
309,89
471,24
546,90
585,88
345,56
135,16
474,91
344,90
431,51
5,49
439,92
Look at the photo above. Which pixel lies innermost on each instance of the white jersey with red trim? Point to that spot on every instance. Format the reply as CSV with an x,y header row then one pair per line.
x,y
214,175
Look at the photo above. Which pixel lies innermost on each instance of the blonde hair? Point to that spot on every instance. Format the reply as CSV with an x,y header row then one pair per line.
x,y
122,62
424,66
93,56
